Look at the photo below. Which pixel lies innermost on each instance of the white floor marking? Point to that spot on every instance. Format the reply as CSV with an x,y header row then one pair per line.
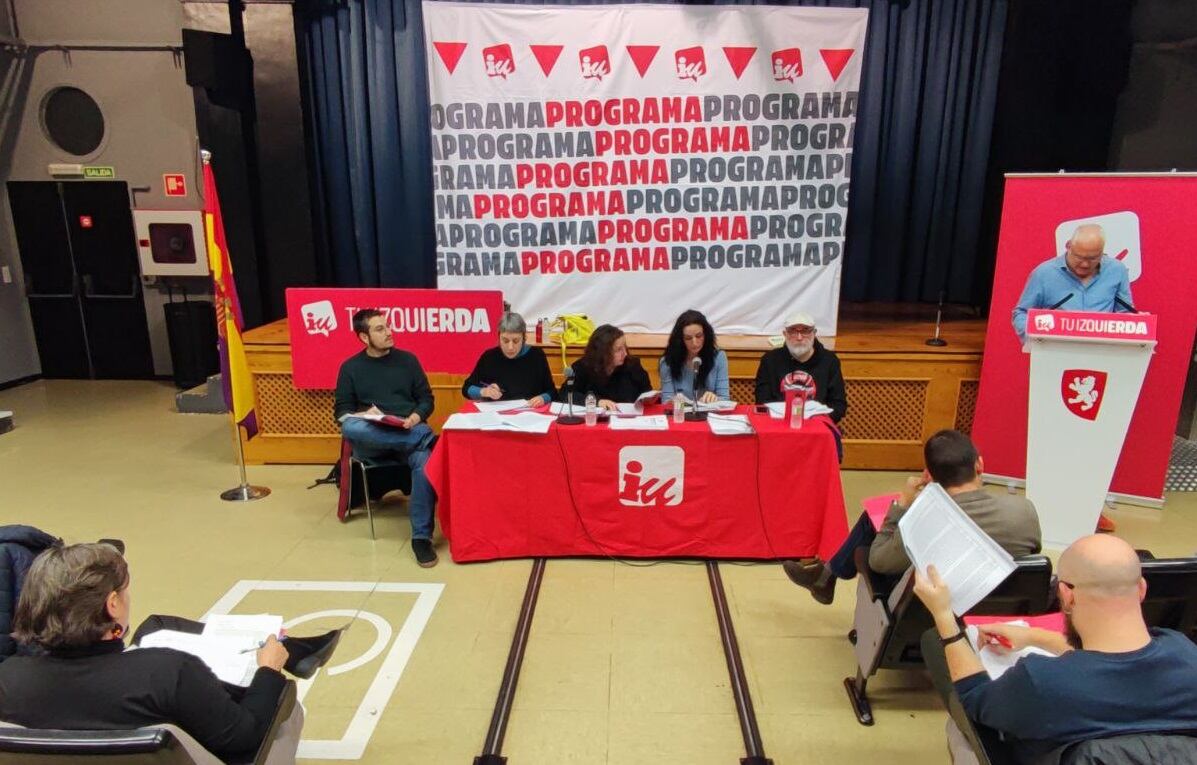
x,y
365,719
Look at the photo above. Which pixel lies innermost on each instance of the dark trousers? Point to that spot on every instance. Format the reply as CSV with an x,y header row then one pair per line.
x,y
843,564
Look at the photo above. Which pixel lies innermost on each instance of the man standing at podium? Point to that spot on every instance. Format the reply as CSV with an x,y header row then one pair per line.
x,y
1084,278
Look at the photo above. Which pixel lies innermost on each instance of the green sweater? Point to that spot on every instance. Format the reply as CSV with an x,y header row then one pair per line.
x,y
395,383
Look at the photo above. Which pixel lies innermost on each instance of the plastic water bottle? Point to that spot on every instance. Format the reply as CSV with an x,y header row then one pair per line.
x,y
679,408
798,409
591,409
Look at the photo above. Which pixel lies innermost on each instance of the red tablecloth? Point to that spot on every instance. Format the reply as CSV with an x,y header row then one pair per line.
x,y
775,494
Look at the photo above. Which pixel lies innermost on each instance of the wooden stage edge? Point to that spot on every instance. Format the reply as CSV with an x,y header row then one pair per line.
x,y
900,390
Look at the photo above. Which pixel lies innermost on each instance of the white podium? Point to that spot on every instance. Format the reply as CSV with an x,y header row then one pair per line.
x,y
1086,372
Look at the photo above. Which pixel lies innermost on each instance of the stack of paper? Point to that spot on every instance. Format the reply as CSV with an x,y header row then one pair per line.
x,y
501,406
777,409
522,422
559,408
729,424
996,663
935,531
654,422
229,644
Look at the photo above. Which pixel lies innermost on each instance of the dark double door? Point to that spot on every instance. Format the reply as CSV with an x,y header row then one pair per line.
x,y
79,256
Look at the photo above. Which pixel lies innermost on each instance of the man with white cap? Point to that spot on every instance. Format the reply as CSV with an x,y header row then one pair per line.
x,y
802,352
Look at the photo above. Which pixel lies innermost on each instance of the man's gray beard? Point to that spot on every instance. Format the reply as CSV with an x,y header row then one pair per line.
x,y
798,350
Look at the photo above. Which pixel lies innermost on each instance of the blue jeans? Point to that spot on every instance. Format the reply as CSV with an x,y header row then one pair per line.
x,y
381,442
843,563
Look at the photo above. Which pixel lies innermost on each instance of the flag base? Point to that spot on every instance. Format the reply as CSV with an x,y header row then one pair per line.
x,y
245,493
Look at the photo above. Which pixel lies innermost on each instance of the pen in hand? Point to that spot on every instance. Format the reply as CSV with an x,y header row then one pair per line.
x,y
261,645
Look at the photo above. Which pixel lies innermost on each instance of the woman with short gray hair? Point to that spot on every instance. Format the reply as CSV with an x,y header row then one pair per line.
x,y
513,371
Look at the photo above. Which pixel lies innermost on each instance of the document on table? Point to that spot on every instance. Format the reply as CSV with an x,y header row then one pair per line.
x,y
523,422
935,531
644,399
729,424
653,422
777,409
559,408
996,663
228,645
714,406
501,406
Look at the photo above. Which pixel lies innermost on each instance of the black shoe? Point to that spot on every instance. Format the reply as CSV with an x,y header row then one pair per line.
x,y
814,577
425,555
305,655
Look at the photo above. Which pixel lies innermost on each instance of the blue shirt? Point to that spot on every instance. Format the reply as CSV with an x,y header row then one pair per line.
x,y
1046,702
716,381
1051,282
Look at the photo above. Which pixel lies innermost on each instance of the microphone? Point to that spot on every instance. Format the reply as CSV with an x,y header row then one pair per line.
x,y
938,341
569,418
1063,300
1130,308
696,416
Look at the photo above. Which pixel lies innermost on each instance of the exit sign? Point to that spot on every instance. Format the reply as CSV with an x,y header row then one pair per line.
x,y
99,172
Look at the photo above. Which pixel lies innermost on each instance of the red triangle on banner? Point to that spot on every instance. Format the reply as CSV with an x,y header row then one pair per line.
x,y
738,58
836,59
547,56
450,53
642,56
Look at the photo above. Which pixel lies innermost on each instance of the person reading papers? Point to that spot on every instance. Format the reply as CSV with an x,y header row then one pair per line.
x,y
1108,675
952,461
71,620
384,380
513,371
692,344
802,352
607,370
1084,278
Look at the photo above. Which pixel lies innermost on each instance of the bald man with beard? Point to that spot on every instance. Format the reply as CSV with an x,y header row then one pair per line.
x,y
1108,675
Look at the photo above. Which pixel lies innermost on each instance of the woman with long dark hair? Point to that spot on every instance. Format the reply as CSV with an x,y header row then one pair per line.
x,y
692,344
607,370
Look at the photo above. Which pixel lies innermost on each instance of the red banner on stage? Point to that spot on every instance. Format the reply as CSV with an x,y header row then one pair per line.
x,y
446,329
1146,221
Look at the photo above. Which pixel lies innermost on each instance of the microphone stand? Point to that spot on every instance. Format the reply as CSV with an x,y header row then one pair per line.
x,y
937,341
570,418
695,415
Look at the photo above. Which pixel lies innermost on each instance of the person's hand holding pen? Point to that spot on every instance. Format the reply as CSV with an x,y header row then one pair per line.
x,y
492,391
272,654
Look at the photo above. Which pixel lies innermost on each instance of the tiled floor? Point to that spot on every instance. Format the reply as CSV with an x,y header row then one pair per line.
x,y
624,663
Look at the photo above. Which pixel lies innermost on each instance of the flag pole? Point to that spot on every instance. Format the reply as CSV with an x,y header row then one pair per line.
x,y
244,492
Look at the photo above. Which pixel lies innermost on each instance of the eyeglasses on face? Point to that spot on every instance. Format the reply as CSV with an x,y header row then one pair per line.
x,y
800,331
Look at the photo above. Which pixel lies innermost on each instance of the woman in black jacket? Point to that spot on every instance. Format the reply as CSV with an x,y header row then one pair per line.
x,y
607,370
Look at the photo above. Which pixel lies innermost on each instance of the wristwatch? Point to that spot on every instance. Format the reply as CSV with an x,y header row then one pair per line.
x,y
947,641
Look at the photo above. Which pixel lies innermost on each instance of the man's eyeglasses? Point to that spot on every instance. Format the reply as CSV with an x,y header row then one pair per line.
x,y
1087,259
800,331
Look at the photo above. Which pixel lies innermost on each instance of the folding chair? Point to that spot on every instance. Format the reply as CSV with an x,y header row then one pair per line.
x,y
888,626
391,475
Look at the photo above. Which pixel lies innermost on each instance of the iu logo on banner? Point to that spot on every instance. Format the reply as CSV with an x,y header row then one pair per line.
x,y
651,476
1083,390
499,61
691,63
595,62
787,64
319,317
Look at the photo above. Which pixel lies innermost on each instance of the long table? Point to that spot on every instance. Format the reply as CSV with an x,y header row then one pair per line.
x,y
684,492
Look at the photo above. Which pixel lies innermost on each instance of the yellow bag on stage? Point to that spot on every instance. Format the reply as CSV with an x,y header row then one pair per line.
x,y
571,329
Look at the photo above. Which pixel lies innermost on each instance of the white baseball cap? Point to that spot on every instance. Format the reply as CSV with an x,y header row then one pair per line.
x,y
799,319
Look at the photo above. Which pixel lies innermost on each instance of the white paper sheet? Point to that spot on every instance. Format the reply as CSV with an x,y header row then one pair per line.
x,y
501,406
559,408
232,659
996,663
936,531
256,627
654,422
729,424
777,409
521,422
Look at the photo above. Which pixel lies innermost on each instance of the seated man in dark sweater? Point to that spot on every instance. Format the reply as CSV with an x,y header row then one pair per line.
x,y
802,352
1110,674
512,371
952,461
383,379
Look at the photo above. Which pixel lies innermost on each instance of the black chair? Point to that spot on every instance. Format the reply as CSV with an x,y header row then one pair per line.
x,y
378,477
151,745
1171,600
888,625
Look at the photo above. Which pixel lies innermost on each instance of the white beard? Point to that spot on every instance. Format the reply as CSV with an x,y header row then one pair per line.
x,y
799,350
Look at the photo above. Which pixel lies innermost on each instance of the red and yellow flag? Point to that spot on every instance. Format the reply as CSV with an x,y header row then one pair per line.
x,y
238,387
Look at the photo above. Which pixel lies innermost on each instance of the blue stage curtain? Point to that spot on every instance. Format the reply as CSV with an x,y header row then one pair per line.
x,y
918,173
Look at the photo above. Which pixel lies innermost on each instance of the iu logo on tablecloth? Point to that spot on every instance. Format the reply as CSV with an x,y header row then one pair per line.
x,y
319,317
498,61
1083,390
651,476
691,63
